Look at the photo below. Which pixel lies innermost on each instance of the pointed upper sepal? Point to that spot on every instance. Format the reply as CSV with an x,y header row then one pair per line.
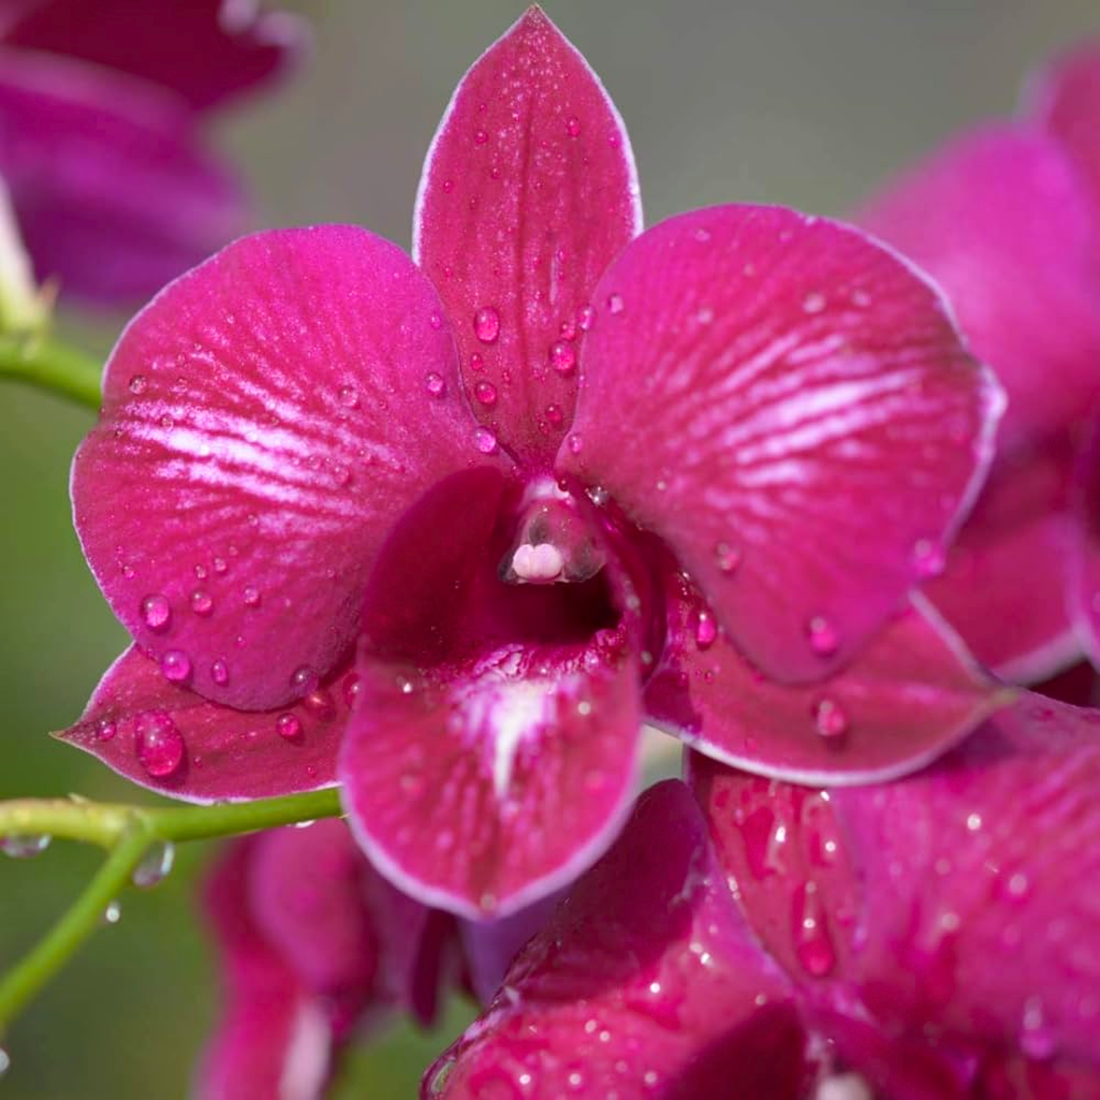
x,y
528,193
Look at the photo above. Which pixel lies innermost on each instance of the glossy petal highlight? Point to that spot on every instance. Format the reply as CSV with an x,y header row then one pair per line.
x,y
265,421
788,406
527,195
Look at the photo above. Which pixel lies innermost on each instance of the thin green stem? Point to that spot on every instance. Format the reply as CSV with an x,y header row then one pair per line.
x,y
126,832
52,365
86,914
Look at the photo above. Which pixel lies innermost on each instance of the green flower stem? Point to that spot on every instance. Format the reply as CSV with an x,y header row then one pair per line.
x,y
52,365
127,832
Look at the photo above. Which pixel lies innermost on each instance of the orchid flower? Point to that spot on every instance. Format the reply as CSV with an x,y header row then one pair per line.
x,y
1007,219
101,107
932,938
316,946
445,530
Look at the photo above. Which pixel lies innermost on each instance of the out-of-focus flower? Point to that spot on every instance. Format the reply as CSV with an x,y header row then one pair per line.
x,y
934,938
426,530
317,947
102,108
23,306
1007,219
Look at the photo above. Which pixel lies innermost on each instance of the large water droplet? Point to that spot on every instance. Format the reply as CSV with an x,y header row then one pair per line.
x,y
219,672
435,384
830,719
304,679
485,441
105,729
563,356
706,630
487,325
486,393
202,603
155,865
822,635
158,744
156,612
19,846
113,913
288,726
175,666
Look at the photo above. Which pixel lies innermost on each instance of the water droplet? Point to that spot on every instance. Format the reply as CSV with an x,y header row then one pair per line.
x,y
728,557
974,822
251,596
485,441
435,321
563,357
813,303
487,325
19,846
288,726
201,572
480,137
575,443
555,417
573,126
822,635
155,865
434,384
585,316
137,384
113,913
476,361
202,603
220,566
830,719
304,680
158,744
615,303
105,729
568,330
448,186
156,612
348,396
175,666
5,1062
320,703
486,393
813,944
929,558
706,630
351,688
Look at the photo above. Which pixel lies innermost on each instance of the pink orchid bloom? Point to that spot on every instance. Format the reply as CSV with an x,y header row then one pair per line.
x,y
101,107
1007,219
317,945
933,938
424,528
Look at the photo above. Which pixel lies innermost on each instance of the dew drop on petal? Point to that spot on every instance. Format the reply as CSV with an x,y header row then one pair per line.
x,y
728,557
304,679
480,137
348,396
21,846
319,702
487,325
351,688
485,441
813,944
435,321
137,384
158,744
476,361
202,603
434,384
156,612
220,566
822,635
573,126
615,303
575,444
155,865
175,666
251,596
563,357
105,729
706,630
830,719
486,393
554,416
585,316
219,672
929,558
288,726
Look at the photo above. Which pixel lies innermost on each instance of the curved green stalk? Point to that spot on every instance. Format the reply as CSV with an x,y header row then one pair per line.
x,y
52,365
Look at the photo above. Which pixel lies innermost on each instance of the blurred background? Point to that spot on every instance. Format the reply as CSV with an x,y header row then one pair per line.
x,y
809,105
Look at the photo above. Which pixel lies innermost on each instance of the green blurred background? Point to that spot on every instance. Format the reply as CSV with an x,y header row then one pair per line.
x,y
809,104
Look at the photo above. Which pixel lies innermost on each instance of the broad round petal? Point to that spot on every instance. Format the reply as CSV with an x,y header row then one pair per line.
x,y
114,193
206,51
1084,578
788,406
528,193
646,982
266,419
1001,220
912,693
1004,588
172,740
990,855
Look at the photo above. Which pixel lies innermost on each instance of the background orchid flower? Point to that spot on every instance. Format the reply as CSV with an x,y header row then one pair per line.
x,y
101,111
1007,219
425,529
317,947
934,937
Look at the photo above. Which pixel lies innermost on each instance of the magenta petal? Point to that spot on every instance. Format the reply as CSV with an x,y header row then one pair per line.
x,y
113,192
266,419
306,890
527,194
204,50
1066,100
1001,220
482,786
788,406
1085,547
171,740
1005,584
993,854
273,1038
646,982
909,695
